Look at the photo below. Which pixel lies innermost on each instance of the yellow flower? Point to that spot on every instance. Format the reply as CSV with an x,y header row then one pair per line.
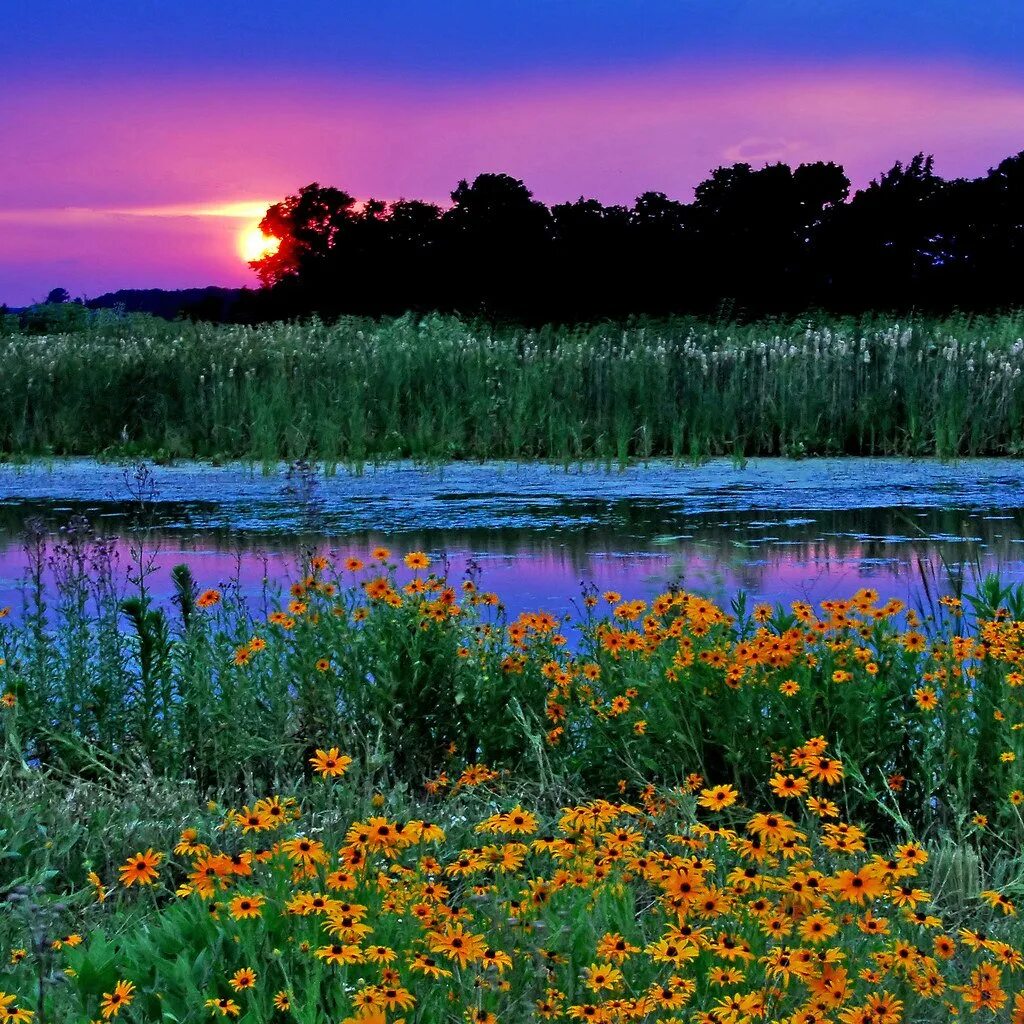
x,y
114,1002
417,560
242,979
330,763
141,869
717,798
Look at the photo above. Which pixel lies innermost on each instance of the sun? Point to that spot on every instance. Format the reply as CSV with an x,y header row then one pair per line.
x,y
254,245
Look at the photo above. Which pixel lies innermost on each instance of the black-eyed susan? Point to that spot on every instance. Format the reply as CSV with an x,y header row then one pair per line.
x,y
330,763
117,1000
140,869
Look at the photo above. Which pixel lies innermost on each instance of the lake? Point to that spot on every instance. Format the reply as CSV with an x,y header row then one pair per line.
x,y
777,529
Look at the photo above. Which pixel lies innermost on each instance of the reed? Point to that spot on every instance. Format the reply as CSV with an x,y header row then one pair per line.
x,y
438,388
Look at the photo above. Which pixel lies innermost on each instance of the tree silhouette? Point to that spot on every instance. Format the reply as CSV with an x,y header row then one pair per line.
x,y
307,225
764,240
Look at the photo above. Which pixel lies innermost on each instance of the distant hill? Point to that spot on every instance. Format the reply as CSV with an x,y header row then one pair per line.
x,y
210,303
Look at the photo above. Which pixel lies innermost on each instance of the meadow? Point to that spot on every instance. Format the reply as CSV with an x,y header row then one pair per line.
x,y
381,798
439,388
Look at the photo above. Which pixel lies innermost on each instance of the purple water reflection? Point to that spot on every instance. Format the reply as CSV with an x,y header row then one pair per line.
x,y
779,530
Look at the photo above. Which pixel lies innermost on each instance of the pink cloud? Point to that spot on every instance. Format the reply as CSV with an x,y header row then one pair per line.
x,y
116,145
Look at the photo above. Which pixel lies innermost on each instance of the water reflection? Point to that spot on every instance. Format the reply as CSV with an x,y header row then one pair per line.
x,y
635,546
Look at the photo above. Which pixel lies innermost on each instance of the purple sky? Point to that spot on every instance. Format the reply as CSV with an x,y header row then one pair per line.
x,y
141,139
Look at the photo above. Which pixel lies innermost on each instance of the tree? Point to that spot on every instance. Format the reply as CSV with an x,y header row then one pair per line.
x,y
308,226
886,243
58,295
497,239
773,239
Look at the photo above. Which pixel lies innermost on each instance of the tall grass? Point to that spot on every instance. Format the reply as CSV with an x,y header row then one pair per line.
x,y
439,388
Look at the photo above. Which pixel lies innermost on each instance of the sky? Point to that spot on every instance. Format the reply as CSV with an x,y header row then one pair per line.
x,y
140,139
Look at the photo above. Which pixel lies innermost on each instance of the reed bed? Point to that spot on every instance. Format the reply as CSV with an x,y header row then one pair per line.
x,y
439,388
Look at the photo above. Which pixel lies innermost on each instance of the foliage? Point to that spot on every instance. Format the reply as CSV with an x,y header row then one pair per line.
x,y
404,667
439,388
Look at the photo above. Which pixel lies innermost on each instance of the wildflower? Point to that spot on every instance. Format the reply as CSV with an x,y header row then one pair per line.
x,y
457,944
10,1013
225,1007
416,560
824,769
822,807
246,907
330,763
304,851
1000,900
242,979
254,820
394,997
718,798
614,947
602,976
913,642
860,886
98,887
141,869
337,953
425,964
788,785
208,598
114,1002
926,698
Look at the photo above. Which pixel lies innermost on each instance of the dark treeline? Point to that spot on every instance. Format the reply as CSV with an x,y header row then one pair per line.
x,y
752,241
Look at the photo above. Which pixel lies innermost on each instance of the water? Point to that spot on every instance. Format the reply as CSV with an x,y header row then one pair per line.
x,y
778,529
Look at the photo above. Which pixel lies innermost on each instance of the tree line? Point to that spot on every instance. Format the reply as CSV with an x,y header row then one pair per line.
x,y
752,241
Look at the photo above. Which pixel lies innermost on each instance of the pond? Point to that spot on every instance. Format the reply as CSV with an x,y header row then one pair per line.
x,y
777,529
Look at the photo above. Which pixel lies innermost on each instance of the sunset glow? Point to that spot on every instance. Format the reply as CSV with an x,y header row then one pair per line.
x,y
254,245
151,171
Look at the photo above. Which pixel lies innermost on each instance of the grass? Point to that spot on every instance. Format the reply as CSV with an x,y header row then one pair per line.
x,y
816,809
438,388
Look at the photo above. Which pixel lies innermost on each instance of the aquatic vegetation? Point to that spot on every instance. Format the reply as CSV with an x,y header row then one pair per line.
x,y
439,388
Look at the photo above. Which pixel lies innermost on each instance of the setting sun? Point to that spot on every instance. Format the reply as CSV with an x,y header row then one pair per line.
x,y
254,245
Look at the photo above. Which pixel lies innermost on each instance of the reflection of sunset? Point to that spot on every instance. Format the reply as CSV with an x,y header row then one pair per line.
x,y
254,245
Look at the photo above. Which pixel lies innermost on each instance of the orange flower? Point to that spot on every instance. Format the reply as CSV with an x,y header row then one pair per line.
x,y
141,869
717,798
114,1002
243,979
330,763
